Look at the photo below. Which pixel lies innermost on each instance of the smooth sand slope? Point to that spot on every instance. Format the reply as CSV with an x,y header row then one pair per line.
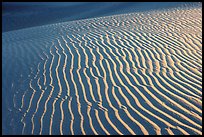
x,y
19,15
138,73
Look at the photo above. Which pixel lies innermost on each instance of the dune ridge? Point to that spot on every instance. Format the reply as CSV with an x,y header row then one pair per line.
x,y
137,74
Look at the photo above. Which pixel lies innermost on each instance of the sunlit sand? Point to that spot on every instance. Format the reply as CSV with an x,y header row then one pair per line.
x,y
129,74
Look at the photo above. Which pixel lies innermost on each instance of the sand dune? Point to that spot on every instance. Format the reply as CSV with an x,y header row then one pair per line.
x,y
138,73
20,13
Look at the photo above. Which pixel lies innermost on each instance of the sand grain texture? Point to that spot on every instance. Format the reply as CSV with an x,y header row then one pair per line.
x,y
137,73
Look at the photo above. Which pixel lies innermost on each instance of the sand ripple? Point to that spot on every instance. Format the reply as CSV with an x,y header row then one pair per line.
x,y
138,73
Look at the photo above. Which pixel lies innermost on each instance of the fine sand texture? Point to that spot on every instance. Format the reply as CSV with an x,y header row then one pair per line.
x,y
19,15
129,74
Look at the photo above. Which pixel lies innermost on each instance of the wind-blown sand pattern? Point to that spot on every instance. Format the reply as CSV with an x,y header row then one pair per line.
x,y
137,73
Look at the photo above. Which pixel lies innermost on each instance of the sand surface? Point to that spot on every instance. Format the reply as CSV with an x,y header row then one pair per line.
x,y
138,73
